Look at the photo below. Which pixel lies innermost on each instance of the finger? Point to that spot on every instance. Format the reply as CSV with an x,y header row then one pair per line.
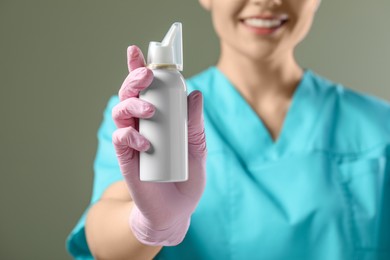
x,y
130,108
136,81
196,134
125,141
195,184
135,58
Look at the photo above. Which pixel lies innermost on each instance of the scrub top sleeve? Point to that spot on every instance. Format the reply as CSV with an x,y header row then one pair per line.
x,y
106,172
106,166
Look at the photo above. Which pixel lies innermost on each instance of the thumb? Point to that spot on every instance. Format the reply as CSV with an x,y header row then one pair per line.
x,y
196,134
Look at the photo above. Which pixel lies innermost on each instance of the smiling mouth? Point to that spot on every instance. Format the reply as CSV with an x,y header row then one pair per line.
x,y
265,24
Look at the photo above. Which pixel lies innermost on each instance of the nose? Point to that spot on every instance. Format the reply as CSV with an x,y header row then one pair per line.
x,y
267,3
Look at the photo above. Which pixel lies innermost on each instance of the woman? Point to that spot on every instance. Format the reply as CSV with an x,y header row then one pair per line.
x,y
297,166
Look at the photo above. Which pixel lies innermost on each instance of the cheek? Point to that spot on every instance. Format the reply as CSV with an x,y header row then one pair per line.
x,y
302,29
222,22
302,23
224,15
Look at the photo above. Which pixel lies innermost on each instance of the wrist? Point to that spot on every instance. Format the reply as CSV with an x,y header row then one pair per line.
x,y
148,235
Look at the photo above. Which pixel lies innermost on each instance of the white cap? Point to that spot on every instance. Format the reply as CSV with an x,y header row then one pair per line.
x,y
169,51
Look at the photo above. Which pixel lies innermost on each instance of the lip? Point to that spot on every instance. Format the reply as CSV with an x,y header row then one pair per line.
x,y
266,16
283,18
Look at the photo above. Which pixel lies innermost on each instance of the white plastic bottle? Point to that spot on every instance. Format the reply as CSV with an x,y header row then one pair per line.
x,y
167,158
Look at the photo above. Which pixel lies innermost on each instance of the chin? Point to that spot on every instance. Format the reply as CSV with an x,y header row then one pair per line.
x,y
260,54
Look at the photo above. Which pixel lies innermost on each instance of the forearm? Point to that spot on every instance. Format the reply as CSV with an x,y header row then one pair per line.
x,y
109,235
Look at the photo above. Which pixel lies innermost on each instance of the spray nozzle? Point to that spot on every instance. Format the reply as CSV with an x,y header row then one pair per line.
x,y
169,51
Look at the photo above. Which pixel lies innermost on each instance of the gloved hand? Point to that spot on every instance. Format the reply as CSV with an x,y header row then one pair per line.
x,y
162,211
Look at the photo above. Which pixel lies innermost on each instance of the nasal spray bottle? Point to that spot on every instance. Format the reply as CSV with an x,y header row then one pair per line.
x,y
167,158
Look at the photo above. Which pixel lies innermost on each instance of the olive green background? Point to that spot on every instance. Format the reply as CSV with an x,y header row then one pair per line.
x,y
60,61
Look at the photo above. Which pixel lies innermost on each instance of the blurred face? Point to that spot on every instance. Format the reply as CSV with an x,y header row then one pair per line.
x,y
260,29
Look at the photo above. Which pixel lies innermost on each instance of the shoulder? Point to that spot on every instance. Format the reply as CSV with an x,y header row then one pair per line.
x,y
361,103
354,114
112,101
355,105
202,81
364,106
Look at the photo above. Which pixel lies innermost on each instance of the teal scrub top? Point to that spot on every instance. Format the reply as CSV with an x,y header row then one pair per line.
x,y
320,191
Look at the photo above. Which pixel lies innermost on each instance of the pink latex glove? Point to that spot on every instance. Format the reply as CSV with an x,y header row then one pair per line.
x,y
162,211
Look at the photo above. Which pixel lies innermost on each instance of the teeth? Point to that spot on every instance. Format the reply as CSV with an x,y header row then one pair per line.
x,y
256,22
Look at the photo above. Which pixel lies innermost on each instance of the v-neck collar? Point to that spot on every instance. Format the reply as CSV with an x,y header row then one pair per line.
x,y
244,130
